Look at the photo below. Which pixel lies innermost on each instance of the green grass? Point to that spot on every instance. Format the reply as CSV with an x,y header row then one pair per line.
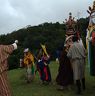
x,y
21,88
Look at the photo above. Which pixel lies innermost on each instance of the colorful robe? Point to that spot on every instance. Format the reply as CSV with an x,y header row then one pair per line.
x,y
29,63
43,68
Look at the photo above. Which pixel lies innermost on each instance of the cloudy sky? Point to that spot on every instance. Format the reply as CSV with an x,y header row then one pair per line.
x,y
16,14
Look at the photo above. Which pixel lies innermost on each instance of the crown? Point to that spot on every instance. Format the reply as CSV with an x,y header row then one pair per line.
x,y
70,25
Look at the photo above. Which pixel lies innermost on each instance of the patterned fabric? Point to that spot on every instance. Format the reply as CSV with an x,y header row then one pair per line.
x,y
5,51
4,85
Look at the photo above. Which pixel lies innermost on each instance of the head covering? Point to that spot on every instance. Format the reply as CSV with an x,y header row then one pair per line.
x,y
26,50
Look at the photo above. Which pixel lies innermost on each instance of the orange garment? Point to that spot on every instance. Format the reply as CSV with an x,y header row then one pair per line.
x,y
28,59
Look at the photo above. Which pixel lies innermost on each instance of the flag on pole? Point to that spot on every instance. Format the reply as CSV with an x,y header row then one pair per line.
x,y
44,49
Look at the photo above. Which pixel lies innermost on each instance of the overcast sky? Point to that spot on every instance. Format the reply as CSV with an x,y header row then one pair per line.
x,y
16,14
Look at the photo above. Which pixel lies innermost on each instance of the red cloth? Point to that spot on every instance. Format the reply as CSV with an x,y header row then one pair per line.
x,y
93,38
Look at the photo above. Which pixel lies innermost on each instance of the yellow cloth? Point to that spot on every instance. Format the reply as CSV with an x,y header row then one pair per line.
x,y
44,49
28,59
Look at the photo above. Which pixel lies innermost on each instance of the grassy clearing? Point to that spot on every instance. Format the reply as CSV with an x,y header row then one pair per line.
x,y
21,88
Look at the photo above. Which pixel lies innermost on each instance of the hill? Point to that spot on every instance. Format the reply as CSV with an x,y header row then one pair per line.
x,y
50,34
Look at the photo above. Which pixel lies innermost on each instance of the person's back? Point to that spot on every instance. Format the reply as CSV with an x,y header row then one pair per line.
x,y
77,55
78,51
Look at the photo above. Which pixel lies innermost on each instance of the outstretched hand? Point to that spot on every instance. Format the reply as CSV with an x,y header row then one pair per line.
x,y
16,41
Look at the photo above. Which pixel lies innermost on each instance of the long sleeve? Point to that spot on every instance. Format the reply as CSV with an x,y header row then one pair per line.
x,y
5,51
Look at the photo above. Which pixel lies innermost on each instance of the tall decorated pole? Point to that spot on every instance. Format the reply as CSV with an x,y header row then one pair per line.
x,y
90,39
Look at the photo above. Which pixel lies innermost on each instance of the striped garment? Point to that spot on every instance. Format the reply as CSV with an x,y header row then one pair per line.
x,y
5,51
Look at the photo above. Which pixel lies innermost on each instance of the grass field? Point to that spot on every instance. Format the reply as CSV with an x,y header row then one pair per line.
x,y
21,88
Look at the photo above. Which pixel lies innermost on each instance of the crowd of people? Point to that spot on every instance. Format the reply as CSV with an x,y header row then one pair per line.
x,y
72,64
71,60
41,64
71,69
